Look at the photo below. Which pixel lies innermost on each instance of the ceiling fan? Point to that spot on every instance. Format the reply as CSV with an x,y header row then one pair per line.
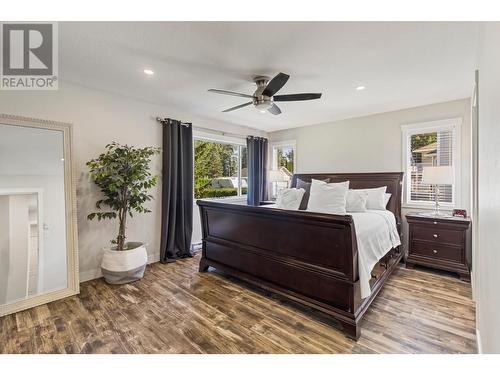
x,y
264,97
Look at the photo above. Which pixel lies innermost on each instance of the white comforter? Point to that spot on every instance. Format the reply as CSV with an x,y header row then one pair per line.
x,y
376,234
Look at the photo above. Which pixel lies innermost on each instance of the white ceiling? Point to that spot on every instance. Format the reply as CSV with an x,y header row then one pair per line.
x,y
402,65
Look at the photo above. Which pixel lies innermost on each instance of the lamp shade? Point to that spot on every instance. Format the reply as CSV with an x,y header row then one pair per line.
x,y
277,175
437,175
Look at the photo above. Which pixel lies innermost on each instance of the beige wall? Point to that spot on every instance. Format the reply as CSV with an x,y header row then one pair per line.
x,y
373,143
488,250
100,117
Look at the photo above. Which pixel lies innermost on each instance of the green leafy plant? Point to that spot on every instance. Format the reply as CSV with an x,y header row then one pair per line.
x,y
123,175
201,185
220,192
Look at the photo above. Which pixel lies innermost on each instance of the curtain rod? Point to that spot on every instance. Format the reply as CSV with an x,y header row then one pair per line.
x,y
160,119
235,135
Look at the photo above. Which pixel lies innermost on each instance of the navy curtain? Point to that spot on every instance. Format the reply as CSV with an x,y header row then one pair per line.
x,y
257,170
177,191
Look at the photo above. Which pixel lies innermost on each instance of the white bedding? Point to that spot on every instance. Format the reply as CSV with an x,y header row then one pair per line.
x,y
376,234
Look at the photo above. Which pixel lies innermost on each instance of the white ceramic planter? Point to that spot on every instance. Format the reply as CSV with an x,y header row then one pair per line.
x,y
120,267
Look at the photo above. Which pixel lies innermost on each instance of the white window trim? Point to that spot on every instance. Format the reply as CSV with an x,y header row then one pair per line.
x,y
279,144
221,138
454,124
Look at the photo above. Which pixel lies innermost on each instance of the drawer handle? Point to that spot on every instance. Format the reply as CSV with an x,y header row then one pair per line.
x,y
435,251
435,222
435,235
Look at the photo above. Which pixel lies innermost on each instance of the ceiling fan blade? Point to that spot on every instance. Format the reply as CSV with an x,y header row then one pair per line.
x,y
275,84
237,107
296,97
224,92
275,110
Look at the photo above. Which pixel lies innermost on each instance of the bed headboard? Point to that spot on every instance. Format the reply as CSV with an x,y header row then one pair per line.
x,y
393,181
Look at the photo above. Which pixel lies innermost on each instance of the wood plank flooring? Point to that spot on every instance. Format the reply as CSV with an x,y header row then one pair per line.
x,y
175,309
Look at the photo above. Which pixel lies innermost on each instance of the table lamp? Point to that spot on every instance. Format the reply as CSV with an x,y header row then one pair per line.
x,y
436,176
276,176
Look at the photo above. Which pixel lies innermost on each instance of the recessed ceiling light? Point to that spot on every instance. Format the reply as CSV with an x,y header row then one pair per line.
x,y
148,72
360,88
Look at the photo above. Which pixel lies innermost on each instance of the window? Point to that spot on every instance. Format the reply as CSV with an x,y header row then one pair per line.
x,y
283,159
220,167
284,156
434,143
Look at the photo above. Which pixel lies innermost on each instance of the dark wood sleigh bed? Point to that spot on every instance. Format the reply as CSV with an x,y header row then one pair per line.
x,y
308,257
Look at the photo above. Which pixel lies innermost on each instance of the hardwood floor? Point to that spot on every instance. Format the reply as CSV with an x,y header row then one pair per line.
x,y
175,309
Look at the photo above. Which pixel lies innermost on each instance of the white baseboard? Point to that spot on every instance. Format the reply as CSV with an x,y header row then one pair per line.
x,y
196,246
478,339
90,275
153,258
96,273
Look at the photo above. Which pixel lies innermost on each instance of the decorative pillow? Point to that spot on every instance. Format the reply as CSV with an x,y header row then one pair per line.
x,y
307,187
387,198
356,201
375,199
289,199
328,198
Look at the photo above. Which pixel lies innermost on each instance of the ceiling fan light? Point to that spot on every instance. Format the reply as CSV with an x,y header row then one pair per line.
x,y
263,106
264,99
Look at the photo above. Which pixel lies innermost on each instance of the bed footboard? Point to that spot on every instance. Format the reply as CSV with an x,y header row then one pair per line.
x,y
309,257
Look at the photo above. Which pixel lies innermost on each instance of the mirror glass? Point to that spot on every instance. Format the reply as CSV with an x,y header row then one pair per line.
x,y
33,254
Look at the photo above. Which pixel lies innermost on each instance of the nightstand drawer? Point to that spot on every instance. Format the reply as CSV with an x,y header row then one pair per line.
x,y
436,250
430,233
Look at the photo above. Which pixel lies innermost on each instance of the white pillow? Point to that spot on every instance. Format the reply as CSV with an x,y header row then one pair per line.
x,y
375,199
328,198
356,201
289,199
387,197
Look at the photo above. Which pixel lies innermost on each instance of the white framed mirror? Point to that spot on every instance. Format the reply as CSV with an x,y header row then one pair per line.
x,y
38,235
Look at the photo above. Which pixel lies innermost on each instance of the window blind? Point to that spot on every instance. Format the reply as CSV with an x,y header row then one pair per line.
x,y
430,149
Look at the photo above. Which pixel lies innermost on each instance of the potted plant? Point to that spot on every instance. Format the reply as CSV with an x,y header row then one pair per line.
x,y
123,175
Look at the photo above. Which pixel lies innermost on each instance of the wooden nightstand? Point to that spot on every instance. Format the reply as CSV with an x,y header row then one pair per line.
x,y
438,242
